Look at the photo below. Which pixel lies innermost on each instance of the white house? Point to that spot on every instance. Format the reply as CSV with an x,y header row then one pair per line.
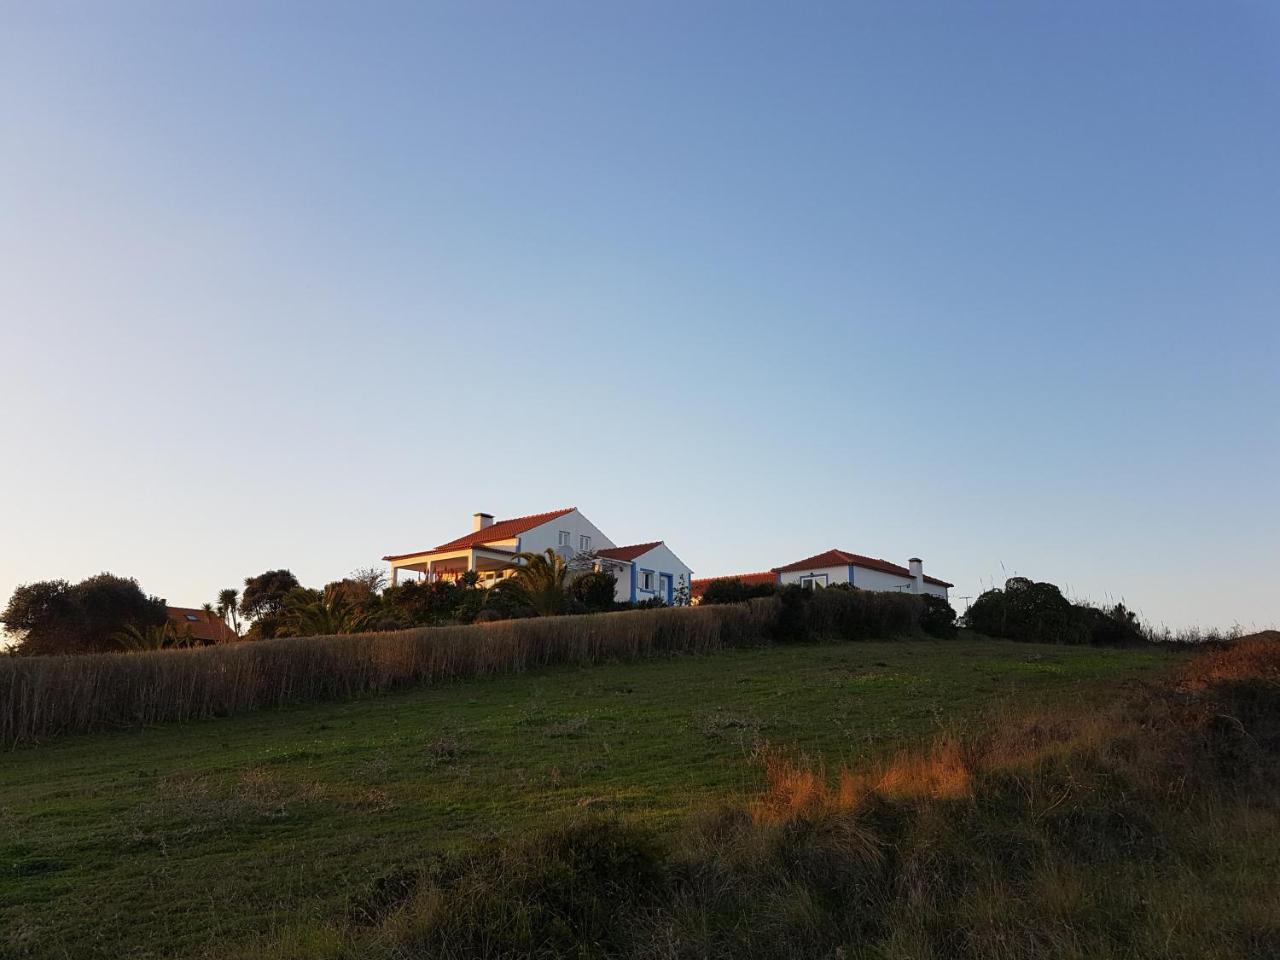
x,y
839,566
644,570
867,573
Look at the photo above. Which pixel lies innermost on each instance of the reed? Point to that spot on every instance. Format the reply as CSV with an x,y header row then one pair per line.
x,y
41,697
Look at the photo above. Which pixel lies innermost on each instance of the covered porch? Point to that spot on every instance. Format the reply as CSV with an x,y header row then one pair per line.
x,y
490,564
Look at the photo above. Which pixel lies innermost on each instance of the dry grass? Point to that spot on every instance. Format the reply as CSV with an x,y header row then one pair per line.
x,y
45,696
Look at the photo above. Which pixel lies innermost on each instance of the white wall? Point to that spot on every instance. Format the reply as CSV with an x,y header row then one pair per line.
x,y
660,560
864,578
548,535
834,575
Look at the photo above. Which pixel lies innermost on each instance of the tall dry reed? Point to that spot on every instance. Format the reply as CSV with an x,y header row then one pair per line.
x,y
44,696
41,697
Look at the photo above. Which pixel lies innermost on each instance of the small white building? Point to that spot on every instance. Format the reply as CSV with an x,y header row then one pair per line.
x,y
840,566
866,573
644,570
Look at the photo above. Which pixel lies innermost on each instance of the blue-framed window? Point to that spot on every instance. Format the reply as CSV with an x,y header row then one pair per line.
x,y
646,580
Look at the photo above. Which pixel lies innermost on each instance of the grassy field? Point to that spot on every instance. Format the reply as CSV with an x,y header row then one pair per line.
x,y
193,840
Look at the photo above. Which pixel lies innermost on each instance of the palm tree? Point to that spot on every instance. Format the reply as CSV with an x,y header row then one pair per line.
x,y
333,613
228,600
542,579
157,637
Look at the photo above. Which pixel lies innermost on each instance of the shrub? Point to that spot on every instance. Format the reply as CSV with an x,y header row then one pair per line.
x,y
733,590
595,590
937,616
1038,612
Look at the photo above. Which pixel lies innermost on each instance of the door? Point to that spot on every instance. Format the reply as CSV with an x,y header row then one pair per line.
x,y
664,586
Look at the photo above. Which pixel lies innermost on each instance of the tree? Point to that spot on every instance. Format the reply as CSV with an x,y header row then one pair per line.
x,y
374,578
226,608
263,600
332,613
56,617
541,579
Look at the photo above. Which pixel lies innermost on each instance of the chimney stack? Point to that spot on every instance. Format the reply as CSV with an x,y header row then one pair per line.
x,y
481,520
916,566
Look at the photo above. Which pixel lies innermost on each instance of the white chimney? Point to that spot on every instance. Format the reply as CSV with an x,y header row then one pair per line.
x,y
481,520
916,566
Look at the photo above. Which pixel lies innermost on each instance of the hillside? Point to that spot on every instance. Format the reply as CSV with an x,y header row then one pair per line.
x,y
204,838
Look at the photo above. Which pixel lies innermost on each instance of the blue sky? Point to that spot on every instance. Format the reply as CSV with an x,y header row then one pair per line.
x,y
301,284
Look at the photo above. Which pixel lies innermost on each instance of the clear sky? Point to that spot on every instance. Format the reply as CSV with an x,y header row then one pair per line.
x,y
995,284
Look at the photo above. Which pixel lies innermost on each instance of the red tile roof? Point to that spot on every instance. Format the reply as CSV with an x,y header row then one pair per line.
x,y
499,530
627,554
699,586
840,558
206,627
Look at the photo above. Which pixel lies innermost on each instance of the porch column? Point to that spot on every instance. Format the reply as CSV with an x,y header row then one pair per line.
x,y
471,559
431,566
395,575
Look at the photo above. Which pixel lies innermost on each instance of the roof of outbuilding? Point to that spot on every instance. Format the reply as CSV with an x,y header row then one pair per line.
x,y
627,554
498,530
839,558
205,626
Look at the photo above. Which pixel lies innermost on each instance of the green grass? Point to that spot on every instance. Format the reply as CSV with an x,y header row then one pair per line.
x,y
184,841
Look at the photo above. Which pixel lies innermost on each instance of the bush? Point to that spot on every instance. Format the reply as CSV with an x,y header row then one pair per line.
x,y
733,590
594,591
1039,613
937,617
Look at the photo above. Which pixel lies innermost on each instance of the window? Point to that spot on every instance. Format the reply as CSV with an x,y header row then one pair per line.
x,y
584,542
646,580
564,538
814,580
193,618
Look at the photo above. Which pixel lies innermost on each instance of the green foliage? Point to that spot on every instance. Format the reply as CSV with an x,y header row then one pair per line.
x,y
227,608
543,580
594,590
553,895
733,590
264,594
938,617
1038,612
55,617
154,637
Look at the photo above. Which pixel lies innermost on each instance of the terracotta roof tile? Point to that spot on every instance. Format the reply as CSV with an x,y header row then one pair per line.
x,y
840,558
627,554
206,627
499,530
